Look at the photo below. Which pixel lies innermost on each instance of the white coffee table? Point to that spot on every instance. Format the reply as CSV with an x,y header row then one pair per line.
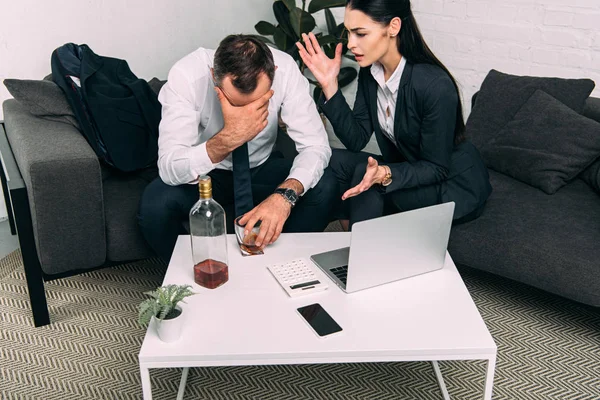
x,y
251,321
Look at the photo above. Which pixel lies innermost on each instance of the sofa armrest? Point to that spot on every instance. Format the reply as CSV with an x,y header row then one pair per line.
x,y
64,187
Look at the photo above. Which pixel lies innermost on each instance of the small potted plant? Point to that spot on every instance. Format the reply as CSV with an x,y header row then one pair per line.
x,y
164,308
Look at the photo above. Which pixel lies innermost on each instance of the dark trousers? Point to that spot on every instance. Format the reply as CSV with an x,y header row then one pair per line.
x,y
164,209
349,169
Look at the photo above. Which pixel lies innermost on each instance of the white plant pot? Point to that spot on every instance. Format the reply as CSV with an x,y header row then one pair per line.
x,y
169,330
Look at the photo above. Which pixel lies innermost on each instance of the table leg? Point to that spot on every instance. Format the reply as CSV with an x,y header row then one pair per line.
x,y
440,379
489,378
182,383
146,387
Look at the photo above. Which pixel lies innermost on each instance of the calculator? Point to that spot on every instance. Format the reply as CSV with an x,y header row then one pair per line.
x,y
298,277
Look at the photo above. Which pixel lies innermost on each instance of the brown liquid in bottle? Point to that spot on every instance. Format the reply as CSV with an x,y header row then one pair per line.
x,y
210,273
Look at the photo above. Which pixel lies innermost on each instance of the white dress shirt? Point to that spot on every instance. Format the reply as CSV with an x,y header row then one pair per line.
x,y
191,114
387,93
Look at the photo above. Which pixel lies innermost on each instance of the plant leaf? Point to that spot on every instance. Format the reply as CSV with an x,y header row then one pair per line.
x,y
163,302
330,19
301,21
282,14
346,76
318,5
294,53
290,4
327,39
265,28
329,50
282,41
340,31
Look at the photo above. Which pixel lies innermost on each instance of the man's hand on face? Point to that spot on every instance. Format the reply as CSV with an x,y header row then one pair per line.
x,y
273,212
243,123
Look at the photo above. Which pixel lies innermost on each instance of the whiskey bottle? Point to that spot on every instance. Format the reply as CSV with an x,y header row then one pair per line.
x,y
209,239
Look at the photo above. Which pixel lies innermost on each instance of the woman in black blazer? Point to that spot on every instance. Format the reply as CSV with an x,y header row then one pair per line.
x,y
410,100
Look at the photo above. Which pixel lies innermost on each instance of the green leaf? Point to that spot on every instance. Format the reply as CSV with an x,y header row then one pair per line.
x,y
318,5
340,31
294,53
265,28
346,76
330,19
329,50
290,4
282,41
350,57
301,21
164,299
327,39
282,14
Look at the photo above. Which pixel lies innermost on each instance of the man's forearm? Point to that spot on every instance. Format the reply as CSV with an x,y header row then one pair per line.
x,y
293,184
218,148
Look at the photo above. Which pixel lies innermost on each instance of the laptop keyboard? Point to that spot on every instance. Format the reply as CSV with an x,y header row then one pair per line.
x,y
341,273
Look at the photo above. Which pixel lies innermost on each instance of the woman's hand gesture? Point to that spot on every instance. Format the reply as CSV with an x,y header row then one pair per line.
x,y
374,174
322,67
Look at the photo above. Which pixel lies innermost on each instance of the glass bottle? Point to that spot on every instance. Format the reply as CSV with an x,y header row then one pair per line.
x,y
209,239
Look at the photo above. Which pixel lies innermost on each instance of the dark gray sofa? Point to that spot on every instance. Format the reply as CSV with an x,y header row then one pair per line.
x,y
71,214
551,242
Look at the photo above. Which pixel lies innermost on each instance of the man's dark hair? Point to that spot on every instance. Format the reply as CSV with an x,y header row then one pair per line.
x,y
243,58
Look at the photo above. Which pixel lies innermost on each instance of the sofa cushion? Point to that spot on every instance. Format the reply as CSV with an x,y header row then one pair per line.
x,y
502,95
591,175
156,84
550,242
42,98
546,144
122,193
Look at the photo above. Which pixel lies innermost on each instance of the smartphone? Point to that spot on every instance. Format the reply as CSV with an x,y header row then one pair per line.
x,y
319,320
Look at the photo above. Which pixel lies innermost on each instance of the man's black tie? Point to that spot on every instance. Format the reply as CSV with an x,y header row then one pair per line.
x,y
242,185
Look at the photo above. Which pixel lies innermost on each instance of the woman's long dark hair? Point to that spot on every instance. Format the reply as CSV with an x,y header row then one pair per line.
x,y
411,44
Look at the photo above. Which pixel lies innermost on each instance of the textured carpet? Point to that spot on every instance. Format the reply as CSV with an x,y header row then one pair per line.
x,y
548,348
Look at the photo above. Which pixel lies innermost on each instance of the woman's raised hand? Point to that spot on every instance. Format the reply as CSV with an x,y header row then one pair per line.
x,y
322,67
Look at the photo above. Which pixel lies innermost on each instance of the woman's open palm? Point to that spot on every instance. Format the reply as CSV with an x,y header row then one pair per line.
x,y
322,67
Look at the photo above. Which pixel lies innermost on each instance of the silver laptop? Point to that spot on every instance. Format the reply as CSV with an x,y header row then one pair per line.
x,y
390,248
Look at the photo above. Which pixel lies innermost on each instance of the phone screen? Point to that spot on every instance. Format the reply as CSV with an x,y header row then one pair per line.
x,y
318,318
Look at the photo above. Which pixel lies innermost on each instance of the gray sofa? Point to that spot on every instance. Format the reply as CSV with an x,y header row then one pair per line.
x,y
551,242
71,214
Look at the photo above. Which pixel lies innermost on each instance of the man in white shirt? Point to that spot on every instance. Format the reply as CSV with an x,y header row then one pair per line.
x,y
216,104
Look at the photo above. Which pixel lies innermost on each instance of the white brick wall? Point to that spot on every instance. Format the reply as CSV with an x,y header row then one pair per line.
x,y
523,37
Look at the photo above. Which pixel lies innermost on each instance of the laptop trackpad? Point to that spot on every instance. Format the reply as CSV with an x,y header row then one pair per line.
x,y
332,259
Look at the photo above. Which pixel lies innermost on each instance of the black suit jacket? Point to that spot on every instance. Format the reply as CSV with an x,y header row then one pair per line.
x,y
424,123
118,113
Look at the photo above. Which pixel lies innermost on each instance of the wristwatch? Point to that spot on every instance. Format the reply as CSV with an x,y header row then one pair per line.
x,y
289,194
387,179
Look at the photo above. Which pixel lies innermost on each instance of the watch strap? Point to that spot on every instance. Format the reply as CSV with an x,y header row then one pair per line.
x,y
288,194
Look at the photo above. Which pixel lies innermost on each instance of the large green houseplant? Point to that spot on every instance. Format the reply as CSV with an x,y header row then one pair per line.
x,y
293,21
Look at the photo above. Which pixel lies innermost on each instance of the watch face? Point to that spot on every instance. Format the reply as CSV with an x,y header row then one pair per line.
x,y
290,194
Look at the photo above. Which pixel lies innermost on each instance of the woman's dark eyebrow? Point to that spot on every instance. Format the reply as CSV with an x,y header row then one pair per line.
x,y
354,29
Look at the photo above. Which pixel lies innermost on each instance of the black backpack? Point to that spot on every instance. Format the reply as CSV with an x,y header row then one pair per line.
x,y
118,113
